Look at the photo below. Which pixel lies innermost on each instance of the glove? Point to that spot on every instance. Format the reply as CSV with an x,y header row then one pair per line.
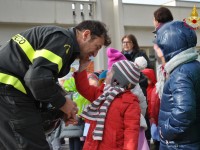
x,y
154,132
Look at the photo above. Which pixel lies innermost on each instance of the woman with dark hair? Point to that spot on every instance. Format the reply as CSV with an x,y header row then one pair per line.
x,y
161,16
131,49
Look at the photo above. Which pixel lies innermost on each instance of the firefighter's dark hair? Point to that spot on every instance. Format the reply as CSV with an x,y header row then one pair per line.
x,y
97,28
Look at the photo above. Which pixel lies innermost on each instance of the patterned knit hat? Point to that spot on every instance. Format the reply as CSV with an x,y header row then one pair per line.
x,y
126,72
114,56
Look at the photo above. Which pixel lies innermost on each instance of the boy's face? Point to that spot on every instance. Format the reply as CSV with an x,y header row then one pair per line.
x,y
109,76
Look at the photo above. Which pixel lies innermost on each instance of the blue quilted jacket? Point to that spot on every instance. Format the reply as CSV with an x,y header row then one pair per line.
x,y
179,118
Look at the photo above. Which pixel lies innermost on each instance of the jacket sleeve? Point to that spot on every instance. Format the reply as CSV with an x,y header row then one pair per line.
x,y
131,125
41,76
91,93
142,99
69,85
184,112
155,103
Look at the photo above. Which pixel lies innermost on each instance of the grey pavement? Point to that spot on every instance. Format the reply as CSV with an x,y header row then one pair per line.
x,y
66,145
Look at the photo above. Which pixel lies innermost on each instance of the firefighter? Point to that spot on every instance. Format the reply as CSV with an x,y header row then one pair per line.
x,y
30,64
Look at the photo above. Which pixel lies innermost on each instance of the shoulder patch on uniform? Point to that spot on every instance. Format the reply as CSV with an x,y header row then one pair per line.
x,y
67,48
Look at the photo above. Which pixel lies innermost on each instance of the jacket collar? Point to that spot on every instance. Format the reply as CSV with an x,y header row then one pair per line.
x,y
72,32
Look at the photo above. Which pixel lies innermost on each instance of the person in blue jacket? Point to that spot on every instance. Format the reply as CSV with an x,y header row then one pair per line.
x,y
178,87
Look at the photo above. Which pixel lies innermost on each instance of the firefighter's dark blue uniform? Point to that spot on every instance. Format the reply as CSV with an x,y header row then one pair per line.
x,y
30,64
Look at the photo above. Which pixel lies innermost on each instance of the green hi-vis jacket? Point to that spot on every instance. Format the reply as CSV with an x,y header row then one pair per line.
x,y
32,61
70,86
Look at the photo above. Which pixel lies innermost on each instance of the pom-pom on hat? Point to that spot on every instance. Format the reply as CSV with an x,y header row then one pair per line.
x,y
125,72
114,56
141,62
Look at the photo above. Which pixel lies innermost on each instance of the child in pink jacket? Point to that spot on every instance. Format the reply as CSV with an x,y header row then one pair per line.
x,y
114,113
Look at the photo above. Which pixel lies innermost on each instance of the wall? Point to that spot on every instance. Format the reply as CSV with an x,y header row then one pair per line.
x,y
121,18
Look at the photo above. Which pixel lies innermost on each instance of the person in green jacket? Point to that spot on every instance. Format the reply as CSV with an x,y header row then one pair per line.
x,y
76,143
70,86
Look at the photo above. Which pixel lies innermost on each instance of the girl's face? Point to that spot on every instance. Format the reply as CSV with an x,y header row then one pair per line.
x,y
109,76
149,81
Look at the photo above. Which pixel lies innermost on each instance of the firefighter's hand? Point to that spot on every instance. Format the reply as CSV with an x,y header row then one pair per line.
x,y
70,120
70,109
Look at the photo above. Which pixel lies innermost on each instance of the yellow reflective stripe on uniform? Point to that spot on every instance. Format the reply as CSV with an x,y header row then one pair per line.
x,y
11,80
50,56
25,46
31,54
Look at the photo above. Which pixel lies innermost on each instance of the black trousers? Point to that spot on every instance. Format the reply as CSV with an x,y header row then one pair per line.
x,y
20,123
75,143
